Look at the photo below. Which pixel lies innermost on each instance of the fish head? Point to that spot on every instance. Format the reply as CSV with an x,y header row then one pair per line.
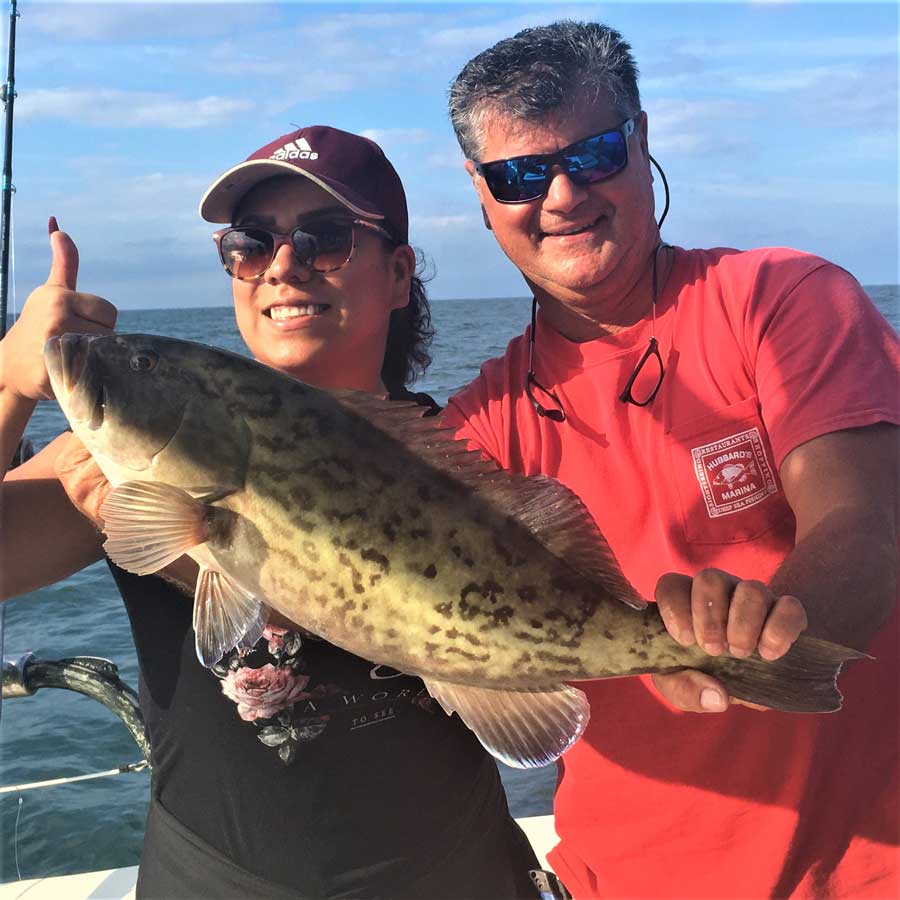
x,y
148,406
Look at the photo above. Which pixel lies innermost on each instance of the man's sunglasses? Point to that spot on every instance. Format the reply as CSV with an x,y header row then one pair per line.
x,y
247,251
592,159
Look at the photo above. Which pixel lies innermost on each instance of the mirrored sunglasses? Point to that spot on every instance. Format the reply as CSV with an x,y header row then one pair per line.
x,y
247,251
592,159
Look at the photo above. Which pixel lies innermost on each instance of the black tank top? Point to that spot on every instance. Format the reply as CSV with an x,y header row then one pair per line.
x,y
313,769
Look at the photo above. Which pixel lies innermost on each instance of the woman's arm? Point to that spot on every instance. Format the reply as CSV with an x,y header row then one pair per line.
x,y
42,536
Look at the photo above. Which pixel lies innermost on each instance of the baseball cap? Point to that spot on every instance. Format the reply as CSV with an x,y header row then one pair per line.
x,y
353,169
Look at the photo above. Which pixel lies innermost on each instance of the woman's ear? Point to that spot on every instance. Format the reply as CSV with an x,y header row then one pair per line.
x,y
403,267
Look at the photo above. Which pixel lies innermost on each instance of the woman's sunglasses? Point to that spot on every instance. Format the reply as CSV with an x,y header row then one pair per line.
x,y
247,251
592,159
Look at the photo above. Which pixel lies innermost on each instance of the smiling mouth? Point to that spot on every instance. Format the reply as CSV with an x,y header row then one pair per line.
x,y
283,313
574,230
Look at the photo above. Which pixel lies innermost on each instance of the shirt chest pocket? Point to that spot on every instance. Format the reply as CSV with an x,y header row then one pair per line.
x,y
725,484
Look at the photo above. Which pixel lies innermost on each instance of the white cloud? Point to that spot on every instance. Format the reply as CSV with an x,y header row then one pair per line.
x,y
123,20
108,107
397,137
797,47
788,80
445,222
334,27
676,125
298,65
484,34
449,158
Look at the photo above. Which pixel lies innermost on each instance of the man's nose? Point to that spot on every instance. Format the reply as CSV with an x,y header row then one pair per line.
x,y
563,194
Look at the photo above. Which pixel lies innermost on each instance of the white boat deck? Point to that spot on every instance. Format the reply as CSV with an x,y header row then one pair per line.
x,y
118,884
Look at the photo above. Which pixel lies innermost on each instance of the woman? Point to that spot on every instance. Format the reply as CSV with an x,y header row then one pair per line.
x,y
295,769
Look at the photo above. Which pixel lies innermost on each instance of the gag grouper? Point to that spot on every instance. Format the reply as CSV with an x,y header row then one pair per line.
x,y
367,524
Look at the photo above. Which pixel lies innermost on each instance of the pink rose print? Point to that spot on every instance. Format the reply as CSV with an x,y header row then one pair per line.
x,y
261,693
275,636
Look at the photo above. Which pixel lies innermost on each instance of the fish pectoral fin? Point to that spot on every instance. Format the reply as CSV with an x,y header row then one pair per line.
x,y
226,615
524,729
149,525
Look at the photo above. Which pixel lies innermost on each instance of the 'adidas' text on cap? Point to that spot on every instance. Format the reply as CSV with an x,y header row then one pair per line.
x,y
353,169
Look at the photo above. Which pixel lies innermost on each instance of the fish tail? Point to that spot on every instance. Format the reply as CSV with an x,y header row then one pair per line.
x,y
803,680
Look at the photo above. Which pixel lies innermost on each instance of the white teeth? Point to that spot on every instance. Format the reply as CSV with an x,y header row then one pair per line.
x,y
294,312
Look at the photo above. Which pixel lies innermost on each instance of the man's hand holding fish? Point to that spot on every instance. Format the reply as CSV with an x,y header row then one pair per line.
x,y
722,614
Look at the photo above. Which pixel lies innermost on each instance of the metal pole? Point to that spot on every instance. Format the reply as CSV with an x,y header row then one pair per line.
x,y
8,95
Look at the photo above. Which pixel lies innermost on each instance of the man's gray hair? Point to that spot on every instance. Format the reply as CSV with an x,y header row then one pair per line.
x,y
540,72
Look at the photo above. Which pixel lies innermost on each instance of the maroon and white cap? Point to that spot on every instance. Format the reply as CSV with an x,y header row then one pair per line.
x,y
353,169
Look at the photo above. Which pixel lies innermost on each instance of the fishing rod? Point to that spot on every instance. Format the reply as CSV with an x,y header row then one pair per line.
x,y
8,96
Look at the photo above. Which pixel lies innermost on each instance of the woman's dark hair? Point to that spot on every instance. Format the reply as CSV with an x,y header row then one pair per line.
x,y
409,337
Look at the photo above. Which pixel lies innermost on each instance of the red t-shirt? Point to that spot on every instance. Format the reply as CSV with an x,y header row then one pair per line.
x,y
763,351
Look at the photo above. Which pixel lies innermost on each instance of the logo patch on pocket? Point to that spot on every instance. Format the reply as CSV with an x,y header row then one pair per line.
x,y
734,473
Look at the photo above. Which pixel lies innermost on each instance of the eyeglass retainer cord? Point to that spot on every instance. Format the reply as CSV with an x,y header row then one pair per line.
x,y
559,414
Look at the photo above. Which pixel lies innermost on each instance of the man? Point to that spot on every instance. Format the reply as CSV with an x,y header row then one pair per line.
x,y
730,421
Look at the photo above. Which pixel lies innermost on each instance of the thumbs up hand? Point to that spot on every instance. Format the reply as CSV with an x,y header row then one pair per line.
x,y
52,309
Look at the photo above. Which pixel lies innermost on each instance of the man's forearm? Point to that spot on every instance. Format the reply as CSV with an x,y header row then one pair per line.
x,y
845,573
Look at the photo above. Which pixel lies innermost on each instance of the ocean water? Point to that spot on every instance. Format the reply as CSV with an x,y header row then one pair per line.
x,y
99,824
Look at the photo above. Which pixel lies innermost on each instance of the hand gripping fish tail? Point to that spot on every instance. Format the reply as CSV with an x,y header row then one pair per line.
x,y
804,680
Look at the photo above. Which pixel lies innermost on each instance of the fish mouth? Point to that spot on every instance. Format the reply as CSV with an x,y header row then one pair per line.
x,y
77,385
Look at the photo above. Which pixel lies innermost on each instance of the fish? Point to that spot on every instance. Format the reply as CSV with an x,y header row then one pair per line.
x,y
368,524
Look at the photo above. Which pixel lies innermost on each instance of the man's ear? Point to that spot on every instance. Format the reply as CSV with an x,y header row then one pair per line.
x,y
641,128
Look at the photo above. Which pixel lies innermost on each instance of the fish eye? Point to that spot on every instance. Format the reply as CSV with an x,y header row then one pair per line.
x,y
145,361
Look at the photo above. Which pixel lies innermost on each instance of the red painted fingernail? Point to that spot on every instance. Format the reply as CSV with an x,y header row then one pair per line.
x,y
52,225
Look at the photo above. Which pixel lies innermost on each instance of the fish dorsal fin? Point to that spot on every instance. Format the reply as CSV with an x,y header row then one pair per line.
x,y
149,525
226,615
557,516
522,729
544,506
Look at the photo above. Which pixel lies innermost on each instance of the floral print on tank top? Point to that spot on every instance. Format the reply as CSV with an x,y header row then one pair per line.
x,y
271,690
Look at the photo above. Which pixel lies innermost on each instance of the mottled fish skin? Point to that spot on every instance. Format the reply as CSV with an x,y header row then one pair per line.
x,y
364,543
346,531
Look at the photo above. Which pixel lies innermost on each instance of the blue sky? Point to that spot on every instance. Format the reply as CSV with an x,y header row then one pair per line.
x,y
776,124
